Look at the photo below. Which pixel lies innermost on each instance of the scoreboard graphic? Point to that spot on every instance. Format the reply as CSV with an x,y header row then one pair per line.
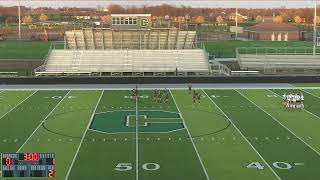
x,y
28,165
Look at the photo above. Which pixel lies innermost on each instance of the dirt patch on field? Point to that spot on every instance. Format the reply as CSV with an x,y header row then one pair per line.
x,y
19,64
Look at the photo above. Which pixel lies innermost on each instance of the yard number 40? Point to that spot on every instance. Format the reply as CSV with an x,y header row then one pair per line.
x,y
146,166
278,165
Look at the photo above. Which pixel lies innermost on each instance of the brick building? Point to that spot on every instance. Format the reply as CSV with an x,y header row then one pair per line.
x,y
272,31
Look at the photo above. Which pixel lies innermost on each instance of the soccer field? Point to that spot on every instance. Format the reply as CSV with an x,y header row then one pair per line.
x,y
25,49
227,49
242,134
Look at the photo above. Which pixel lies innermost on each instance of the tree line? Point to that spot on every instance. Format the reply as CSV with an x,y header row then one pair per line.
x,y
298,15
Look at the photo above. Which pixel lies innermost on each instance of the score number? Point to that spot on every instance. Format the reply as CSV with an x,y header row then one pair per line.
x,y
128,167
51,173
31,157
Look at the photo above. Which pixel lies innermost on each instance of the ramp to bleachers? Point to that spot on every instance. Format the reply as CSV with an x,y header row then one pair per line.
x,y
119,62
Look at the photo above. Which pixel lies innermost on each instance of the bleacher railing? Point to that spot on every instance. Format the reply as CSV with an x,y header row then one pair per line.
x,y
277,50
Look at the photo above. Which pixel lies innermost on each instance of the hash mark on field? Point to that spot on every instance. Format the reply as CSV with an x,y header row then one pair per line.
x,y
43,120
299,164
17,104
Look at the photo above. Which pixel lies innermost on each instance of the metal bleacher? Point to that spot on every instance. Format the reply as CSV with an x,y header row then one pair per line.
x,y
126,62
279,60
109,52
90,39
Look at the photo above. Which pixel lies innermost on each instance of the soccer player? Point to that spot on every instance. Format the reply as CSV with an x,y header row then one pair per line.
x,y
289,100
155,94
189,88
284,99
289,97
294,101
302,100
166,97
198,97
298,101
159,96
194,97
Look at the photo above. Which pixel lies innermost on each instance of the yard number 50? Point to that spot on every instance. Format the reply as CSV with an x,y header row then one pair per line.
x,y
145,166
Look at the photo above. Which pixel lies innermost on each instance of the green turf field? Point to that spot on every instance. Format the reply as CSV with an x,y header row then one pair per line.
x,y
24,49
230,134
227,49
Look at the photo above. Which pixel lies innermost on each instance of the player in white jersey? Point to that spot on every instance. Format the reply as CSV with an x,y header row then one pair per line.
x,y
301,100
289,100
284,99
294,101
297,100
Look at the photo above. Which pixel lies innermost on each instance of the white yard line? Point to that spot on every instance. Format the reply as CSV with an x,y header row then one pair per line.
x,y
137,140
306,109
43,121
275,119
84,134
309,93
194,146
18,104
243,136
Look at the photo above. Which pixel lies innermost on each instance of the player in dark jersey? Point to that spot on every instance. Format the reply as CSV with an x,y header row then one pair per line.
x,y
198,97
166,100
155,95
190,88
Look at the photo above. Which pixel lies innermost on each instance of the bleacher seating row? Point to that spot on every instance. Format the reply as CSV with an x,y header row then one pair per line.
x,y
101,39
88,61
264,61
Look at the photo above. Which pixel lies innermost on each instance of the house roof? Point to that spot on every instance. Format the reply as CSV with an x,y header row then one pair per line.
x,y
272,27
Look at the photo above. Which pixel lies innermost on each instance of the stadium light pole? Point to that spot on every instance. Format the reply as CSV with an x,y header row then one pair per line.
x,y
19,16
236,19
315,27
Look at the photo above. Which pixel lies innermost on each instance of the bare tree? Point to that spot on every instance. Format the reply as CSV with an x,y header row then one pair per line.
x,y
116,9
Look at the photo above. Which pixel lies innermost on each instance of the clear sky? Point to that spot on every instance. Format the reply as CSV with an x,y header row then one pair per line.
x,y
193,3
